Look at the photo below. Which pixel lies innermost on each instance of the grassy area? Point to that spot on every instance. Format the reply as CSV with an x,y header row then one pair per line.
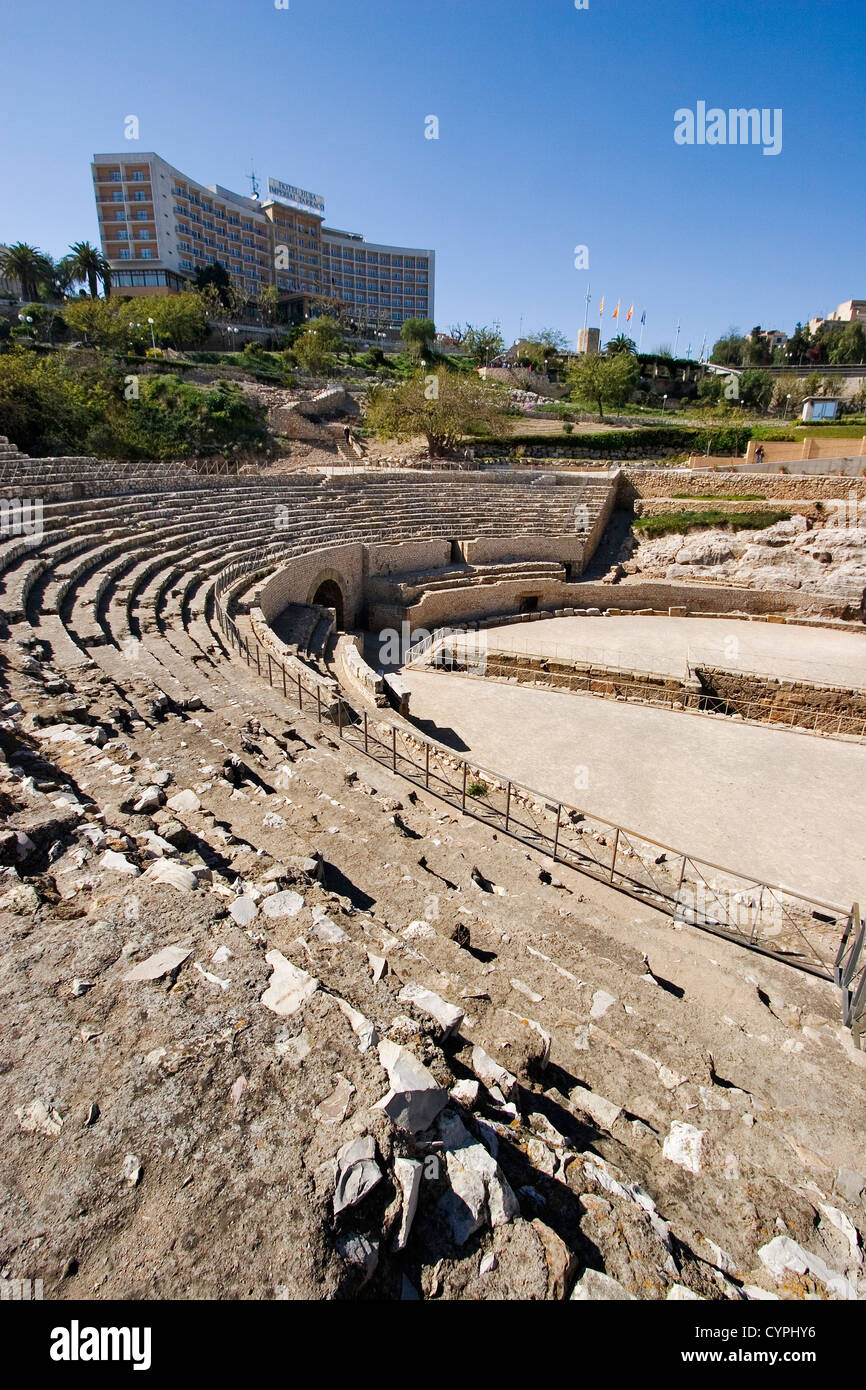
x,y
668,523
719,496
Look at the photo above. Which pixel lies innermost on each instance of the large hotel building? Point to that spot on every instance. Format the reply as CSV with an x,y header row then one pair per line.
x,y
158,228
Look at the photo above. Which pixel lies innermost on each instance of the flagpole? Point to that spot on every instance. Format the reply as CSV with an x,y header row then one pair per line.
x,y
640,341
586,318
677,339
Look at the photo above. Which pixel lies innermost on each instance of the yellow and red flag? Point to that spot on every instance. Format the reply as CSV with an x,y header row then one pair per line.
x,y
601,308
615,314
629,314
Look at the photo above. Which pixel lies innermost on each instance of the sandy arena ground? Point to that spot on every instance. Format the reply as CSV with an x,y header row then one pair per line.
x,y
785,806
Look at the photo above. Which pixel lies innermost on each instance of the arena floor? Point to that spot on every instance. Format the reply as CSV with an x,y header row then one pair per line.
x,y
663,645
784,806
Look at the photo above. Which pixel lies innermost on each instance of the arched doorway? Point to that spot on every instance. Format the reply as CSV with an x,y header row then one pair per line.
x,y
329,595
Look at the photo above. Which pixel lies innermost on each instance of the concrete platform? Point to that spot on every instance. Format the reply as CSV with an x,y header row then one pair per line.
x,y
663,645
786,807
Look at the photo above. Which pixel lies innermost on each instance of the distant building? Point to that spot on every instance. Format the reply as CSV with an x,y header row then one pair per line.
x,y
588,340
773,337
159,227
851,311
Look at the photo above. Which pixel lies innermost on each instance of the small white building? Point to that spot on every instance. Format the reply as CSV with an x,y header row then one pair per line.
x,y
821,407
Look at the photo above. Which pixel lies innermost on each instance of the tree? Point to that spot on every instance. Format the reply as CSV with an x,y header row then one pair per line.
x,y
268,302
849,345
604,380
729,351
418,335
28,265
444,407
87,264
217,276
315,345
756,388
480,343
622,343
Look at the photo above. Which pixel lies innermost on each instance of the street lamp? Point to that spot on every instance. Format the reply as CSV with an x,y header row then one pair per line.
x,y
664,402
152,336
787,403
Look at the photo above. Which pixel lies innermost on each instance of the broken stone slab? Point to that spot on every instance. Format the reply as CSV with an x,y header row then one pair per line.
x,y
559,1259
288,986
684,1146
332,1110
466,1093
679,1293
378,964
38,1118
415,1098
357,1172
601,1111
326,931
478,1191
850,1185
184,802
173,875
243,910
448,1016
285,904
595,1287
361,1253
364,1030
164,962
150,800
491,1074
783,1256
601,1002
118,864
525,990
132,1170
845,1226
408,1172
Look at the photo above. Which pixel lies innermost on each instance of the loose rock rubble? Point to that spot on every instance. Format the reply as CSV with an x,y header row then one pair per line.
x,y
260,1043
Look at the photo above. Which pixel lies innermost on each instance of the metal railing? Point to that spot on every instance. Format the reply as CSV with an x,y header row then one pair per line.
x,y
793,928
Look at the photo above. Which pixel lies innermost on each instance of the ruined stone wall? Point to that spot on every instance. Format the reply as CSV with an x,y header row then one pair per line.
x,y
664,482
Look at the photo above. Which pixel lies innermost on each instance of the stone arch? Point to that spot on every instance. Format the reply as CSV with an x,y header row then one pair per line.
x,y
328,592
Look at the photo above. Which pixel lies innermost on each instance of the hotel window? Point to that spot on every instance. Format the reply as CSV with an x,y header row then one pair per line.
x,y
146,254
139,196
125,254
141,216
120,216
114,176
143,234
138,176
122,234
117,197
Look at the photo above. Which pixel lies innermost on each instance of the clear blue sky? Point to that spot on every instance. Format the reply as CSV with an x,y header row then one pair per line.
x,y
556,129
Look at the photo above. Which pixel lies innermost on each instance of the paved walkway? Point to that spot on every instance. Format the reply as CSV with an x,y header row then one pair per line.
x,y
787,807
662,645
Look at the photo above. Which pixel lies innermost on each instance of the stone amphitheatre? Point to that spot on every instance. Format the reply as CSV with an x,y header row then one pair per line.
x,y
522,961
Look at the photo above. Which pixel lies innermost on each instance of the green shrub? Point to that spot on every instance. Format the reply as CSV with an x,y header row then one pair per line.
x,y
668,523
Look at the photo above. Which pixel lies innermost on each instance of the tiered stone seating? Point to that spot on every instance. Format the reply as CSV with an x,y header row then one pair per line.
x,y
611,1151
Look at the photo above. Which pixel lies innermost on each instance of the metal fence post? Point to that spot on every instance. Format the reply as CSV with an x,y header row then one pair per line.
x,y
463,798
613,857
556,832
300,692
319,701
283,669
394,747
427,765
507,806
366,749
258,659
270,682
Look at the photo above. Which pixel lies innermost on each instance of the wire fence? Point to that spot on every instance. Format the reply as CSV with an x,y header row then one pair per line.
x,y
820,938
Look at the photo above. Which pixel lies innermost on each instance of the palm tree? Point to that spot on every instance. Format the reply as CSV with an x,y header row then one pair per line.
x,y
86,263
28,265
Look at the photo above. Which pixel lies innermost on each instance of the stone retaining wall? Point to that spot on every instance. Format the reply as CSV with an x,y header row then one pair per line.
x,y
664,482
